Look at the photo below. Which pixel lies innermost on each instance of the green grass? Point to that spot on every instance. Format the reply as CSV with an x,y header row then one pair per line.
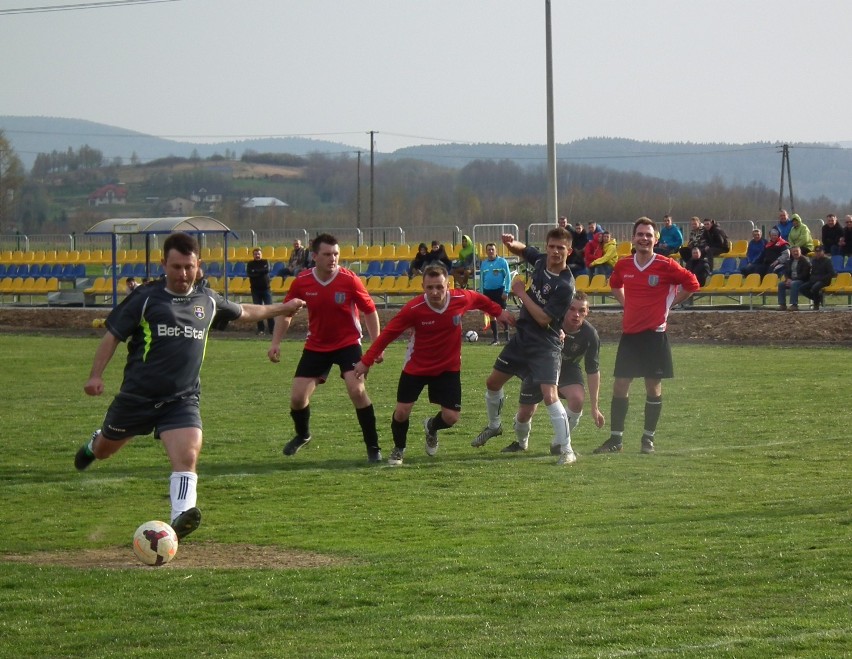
x,y
732,541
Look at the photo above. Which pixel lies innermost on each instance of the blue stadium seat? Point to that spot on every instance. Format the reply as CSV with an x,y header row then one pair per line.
x,y
277,269
403,267
237,269
388,268
56,270
837,260
212,269
374,269
2,270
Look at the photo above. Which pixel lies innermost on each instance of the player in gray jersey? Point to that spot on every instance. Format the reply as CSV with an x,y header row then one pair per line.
x,y
582,345
535,350
166,325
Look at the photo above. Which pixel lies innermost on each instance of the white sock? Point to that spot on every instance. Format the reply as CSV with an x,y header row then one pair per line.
x,y
573,418
493,406
559,420
522,431
182,489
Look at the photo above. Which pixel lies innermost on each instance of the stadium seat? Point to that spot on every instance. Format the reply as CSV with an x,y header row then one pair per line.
x,y
415,285
838,261
581,283
277,268
841,285
374,269
2,269
623,248
237,269
375,252
212,269
403,251
56,270
374,283
388,268
347,252
598,285
403,267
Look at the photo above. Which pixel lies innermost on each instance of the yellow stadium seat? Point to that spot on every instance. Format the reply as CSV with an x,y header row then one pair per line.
x,y
581,283
403,251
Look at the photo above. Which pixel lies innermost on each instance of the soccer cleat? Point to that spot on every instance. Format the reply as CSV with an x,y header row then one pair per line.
x,y
431,438
485,435
374,454
612,445
396,456
647,445
84,456
291,447
186,522
566,456
514,447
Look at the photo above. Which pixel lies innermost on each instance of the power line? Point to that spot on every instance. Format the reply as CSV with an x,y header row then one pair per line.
x,y
81,5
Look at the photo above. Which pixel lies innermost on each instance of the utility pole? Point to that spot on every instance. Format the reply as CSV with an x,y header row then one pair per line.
x,y
358,194
785,162
551,145
372,179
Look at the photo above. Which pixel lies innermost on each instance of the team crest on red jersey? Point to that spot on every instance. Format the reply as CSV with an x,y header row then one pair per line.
x,y
340,298
199,311
653,280
457,320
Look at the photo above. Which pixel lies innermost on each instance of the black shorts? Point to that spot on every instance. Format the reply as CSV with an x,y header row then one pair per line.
x,y
444,389
644,355
127,417
496,295
540,365
531,393
318,364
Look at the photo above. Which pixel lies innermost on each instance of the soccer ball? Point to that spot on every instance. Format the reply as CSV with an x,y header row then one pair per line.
x,y
155,543
471,336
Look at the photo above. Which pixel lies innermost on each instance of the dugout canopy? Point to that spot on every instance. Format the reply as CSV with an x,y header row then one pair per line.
x,y
151,226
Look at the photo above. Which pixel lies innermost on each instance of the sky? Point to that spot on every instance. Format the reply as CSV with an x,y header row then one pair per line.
x,y
435,71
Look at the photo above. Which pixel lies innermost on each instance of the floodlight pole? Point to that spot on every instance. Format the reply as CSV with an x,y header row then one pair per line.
x,y
551,145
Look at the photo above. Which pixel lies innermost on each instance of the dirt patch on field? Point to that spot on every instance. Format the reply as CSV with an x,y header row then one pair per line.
x,y
736,326
205,555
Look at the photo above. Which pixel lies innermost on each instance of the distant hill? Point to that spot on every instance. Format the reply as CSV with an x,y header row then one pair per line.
x,y
818,170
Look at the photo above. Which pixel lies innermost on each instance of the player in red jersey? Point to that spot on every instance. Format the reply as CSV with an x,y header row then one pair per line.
x,y
433,357
333,296
647,285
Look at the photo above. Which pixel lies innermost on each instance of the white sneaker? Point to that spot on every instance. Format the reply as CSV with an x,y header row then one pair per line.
x,y
431,438
567,457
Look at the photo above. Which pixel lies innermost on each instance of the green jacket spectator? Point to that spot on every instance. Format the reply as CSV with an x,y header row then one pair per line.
x,y
800,235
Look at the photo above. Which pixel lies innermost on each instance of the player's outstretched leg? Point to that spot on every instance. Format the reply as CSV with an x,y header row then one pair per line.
x,y
85,456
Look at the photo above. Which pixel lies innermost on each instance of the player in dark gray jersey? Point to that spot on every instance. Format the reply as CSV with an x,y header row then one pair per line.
x,y
582,345
166,325
535,350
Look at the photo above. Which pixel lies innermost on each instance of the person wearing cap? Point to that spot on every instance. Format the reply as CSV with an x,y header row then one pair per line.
x,y
800,235
822,272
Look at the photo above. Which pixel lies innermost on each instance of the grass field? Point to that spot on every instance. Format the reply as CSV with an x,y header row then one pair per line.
x,y
732,541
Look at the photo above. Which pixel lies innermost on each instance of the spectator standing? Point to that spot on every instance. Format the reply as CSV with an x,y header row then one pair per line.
x,y
796,272
593,228
495,284
166,325
671,238
433,357
830,235
257,271
800,235
646,285
822,272
535,349
581,344
754,253
334,296
298,260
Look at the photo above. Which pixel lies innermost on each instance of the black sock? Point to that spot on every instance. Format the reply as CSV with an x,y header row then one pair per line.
x,y
367,420
438,423
653,407
618,414
399,430
302,419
